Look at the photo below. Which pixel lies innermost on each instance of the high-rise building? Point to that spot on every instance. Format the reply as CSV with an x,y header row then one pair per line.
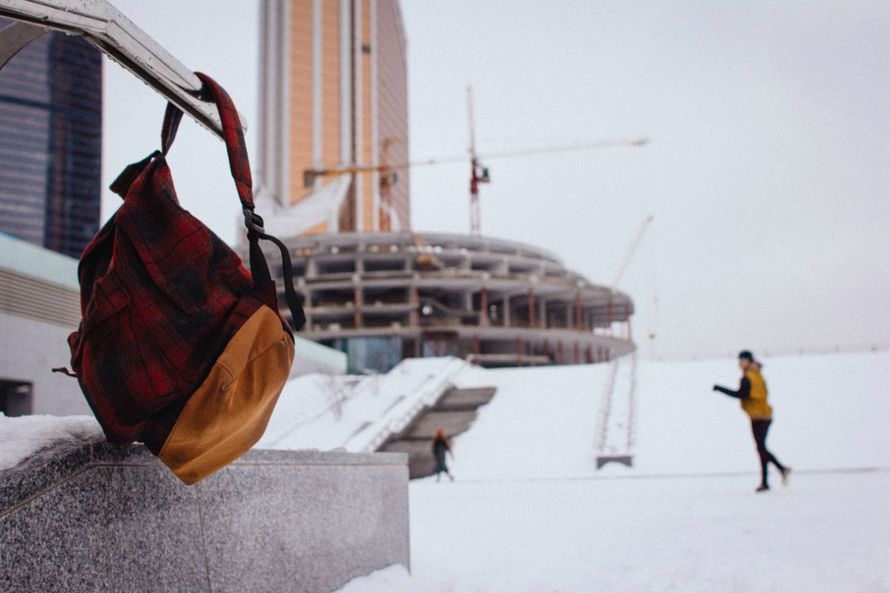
x,y
333,96
51,143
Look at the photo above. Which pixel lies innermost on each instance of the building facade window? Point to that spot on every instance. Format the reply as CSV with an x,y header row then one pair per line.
x,y
51,143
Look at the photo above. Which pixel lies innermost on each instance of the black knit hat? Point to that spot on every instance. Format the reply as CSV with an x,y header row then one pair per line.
x,y
746,354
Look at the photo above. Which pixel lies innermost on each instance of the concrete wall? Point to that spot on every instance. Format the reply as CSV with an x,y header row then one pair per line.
x,y
310,357
39,307
28,350
98,518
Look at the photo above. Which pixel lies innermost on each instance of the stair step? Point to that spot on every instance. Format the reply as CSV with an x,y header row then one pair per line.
x,y
454,412
478,396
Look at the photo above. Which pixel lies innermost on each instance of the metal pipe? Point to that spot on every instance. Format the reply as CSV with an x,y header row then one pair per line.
x,y
102,25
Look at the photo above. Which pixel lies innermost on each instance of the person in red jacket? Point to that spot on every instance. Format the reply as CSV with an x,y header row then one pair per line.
x,y
752,393
441,446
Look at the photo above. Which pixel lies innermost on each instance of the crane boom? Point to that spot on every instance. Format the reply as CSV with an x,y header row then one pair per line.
x,y
478,172
635,244
606,143
311,173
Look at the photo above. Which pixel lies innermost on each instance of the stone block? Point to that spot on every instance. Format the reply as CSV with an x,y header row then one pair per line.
x,y
153,531
55,541
101,518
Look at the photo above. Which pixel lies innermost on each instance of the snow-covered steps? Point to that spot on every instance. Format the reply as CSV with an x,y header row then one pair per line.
x,y
358,413
454,412
466,398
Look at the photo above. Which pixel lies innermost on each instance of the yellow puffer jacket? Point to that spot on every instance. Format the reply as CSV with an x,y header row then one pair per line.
x,y
756,405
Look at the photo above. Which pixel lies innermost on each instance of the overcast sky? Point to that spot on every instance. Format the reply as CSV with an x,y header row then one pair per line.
x,y
768,171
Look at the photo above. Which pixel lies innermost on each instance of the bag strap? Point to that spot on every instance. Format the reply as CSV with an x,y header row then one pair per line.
x,y
233,137
240,168
172,117
259,269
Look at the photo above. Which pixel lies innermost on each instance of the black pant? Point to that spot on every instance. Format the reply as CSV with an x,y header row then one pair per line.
x,y
760,428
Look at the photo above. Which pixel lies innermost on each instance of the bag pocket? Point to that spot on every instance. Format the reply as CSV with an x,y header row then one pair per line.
x,y
122,370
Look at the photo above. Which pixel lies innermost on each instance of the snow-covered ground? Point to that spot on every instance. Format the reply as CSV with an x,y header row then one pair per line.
x,y
529,513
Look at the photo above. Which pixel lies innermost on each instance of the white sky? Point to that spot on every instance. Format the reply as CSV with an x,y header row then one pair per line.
x,y
768,173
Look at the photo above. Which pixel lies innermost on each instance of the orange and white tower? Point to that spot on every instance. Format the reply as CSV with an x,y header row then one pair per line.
x,y
333,95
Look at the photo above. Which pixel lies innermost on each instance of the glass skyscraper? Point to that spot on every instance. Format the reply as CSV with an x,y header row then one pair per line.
x,y
51,143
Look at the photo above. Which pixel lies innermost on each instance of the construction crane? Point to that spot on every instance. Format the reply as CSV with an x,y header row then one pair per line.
x,y
632,250
625,263
478,172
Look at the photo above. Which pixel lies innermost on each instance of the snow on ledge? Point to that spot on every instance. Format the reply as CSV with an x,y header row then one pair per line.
x,y
23,436
392,579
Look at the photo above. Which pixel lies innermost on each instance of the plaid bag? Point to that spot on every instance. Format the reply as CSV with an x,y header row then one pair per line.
x,y
180,346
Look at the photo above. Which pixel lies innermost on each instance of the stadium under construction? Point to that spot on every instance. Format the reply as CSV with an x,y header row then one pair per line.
x,y
382,297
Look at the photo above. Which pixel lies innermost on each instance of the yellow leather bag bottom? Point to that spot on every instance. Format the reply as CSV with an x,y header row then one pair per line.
x,y
229,412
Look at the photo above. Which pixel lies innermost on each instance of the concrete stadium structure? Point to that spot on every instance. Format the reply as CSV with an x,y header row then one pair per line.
x,y
333,142
382,297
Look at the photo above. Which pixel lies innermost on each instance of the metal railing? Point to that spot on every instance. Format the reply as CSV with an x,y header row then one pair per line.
x,y
102,25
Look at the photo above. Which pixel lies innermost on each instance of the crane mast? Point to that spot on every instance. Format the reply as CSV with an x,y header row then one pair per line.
x,y
478,173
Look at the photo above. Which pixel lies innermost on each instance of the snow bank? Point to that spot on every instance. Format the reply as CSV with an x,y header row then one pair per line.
x,y
539,424
528,511
23,436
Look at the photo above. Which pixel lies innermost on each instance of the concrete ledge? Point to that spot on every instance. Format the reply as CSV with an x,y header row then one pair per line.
x,y
101,518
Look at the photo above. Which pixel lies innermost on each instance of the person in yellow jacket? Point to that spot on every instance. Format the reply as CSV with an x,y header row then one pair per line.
x,y
752,393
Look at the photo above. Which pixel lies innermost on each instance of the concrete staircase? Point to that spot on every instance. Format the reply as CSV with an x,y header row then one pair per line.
x,y
454,411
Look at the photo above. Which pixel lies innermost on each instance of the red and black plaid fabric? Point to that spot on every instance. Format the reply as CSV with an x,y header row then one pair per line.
x,y
161,296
